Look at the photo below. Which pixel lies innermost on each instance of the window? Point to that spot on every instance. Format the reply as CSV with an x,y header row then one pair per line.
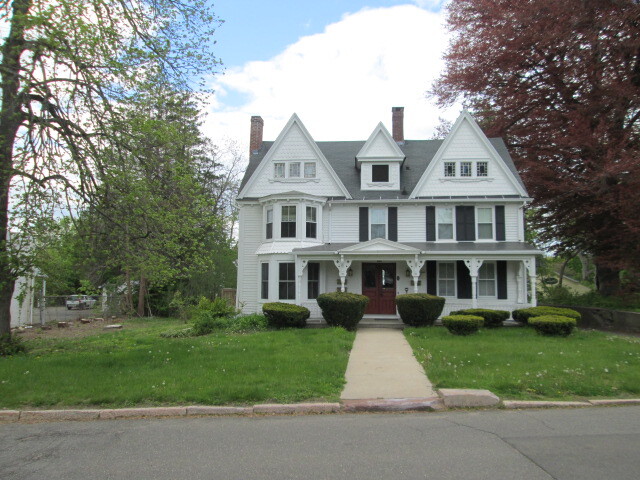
x,y
278,170
310,170
287,284
313,280
264,282
487,280
294,170
465,169
446,279
312,225
378,222
380,173
445,223
269,232
449,169
482,169
288,222
485,223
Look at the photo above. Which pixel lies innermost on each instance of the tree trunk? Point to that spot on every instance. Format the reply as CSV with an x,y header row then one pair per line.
x,y
586,267
129,294
6,294
563,268
607,280
142,294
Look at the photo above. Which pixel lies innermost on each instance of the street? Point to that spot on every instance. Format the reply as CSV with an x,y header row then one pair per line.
x,y
590,443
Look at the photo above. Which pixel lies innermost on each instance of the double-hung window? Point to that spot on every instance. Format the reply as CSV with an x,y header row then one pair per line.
x,y
310,170
378,222
312,222
264,281
487,280
287,281
288,222
444,218
447,279
313,280
485,223
269,223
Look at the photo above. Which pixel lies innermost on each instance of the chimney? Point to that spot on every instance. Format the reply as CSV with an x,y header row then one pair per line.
x,y
397,123
255,141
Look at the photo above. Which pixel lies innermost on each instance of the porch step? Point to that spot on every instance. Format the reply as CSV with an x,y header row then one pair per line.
x,y
381,323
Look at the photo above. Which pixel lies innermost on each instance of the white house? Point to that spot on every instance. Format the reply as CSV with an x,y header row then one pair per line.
x,y
383,217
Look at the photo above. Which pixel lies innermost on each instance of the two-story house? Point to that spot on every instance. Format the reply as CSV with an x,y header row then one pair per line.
x,y
383,217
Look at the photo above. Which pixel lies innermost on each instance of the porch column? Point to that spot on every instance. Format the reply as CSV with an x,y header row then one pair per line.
x,y
300,266
343,266
415,265
530,265
519,283
474,265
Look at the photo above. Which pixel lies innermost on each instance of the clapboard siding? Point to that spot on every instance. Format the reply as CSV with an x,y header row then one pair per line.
x,y
250,224
345,223
411,223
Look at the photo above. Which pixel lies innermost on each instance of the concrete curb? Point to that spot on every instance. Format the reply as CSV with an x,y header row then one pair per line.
x,y
430,404
518,404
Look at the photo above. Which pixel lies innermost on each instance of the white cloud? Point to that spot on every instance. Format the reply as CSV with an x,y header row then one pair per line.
x,y
341,82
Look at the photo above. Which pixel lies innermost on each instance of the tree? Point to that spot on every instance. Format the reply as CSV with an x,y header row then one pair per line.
x,y
65,66
561,82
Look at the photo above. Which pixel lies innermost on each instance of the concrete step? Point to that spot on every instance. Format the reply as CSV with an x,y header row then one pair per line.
x,y
381,323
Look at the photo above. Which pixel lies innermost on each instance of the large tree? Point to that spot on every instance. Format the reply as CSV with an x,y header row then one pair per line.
x,y
65,65
560,80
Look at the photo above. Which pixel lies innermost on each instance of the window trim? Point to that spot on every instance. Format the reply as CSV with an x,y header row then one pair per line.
x,y
275,170
454,279
268,234
486,170
291,165
309,223
495,279
264,282
386,222
493,223
453,224
287,281
450,164
378,165
295,222
462,165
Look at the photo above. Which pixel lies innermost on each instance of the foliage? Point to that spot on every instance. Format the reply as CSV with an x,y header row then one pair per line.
x,y
208,315
179,333
11,345
563,296
553,325
342,309
462,324
492,318
524,314
419,309
285,315
565,95
517,363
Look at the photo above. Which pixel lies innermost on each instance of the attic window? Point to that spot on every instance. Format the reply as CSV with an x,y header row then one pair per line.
x,y
465,169
380,173
310,170
482,169
278,170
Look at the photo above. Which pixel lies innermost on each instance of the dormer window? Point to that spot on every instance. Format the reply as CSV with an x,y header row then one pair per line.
x,y
278,170
294,170
380,173
310,170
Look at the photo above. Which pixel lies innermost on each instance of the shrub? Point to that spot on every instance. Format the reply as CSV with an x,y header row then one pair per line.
x,y
419,309
524,314
285,315
247,323
342,309
553,325
492,318
209,315
179,333
11,345
462,324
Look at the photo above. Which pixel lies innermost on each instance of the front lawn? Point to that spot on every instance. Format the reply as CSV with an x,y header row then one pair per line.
x,y
135,366
517,363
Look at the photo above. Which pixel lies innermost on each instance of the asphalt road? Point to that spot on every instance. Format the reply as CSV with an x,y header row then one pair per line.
x,y
592,443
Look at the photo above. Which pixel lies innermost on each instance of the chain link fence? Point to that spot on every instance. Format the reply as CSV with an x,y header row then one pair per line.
x,y
64,308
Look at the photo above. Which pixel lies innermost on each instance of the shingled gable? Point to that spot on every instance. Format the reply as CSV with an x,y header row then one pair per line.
x,y
380,146
502,160
255,171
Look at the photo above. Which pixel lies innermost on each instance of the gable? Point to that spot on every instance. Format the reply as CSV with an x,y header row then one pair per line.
x,y
380,146
380,245
293,145
467,146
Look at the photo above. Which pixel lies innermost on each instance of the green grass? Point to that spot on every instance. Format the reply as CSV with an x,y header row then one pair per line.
x,y
517,363
138,367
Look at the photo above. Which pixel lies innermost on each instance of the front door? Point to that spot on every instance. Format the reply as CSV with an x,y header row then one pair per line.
x,y
379,284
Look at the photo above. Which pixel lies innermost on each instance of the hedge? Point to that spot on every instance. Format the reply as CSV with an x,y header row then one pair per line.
x,y
553,325
524,314
419,309
492,318
462,324
342,309
285,315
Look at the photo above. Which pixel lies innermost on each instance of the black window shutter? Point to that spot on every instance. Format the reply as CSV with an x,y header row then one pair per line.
x,y
364,224
501,268
431,224
500,230
465,224
393,223
432,286
463,279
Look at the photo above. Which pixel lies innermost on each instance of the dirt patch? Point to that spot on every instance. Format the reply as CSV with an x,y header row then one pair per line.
x,y
76,328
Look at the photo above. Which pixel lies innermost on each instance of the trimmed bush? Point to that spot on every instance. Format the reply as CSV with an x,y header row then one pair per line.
x,y
492,318
553,325
285,315
524,314
462,324
342,309
419,309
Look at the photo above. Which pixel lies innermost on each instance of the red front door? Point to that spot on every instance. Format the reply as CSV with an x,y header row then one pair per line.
x,y
379,284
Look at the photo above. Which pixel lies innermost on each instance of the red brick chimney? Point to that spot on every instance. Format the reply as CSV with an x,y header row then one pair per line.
x,y
397,123
255,140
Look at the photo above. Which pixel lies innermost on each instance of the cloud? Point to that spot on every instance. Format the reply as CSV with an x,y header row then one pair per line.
x,y
341,82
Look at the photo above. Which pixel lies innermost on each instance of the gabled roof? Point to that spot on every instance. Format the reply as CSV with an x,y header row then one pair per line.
x,y
386,146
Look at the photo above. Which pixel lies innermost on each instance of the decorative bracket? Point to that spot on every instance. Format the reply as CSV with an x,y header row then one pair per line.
x,y
473,265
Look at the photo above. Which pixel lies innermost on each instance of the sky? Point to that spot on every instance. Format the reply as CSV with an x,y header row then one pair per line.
x,y
339,64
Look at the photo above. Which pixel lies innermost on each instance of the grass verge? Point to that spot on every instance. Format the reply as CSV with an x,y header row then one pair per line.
x,y
517,363
137,367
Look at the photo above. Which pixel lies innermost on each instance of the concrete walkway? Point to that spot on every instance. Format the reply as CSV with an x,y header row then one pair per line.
x,y
382,365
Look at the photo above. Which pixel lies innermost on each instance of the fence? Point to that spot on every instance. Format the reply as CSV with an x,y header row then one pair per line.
x,y
62,308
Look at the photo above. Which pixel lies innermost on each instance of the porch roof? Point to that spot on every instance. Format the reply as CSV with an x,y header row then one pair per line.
x,y
426,248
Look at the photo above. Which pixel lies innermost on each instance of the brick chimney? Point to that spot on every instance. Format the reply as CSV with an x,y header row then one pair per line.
x,y
397,123
255,141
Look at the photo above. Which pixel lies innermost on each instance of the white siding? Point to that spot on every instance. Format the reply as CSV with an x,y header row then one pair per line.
x,y
511,223
412,223
366,182
345,224
250,228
